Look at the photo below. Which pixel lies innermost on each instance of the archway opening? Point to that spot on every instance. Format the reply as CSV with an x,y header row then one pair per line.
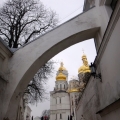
x,y
71,57
39,51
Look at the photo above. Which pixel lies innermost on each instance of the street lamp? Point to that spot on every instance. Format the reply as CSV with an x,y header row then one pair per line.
x,y
93,72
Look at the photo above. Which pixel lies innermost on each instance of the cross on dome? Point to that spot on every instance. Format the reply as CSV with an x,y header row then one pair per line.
x,y
61,68
83,51
73,77
61,64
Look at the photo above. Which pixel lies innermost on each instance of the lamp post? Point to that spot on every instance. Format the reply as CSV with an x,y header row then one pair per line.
x,y
93,72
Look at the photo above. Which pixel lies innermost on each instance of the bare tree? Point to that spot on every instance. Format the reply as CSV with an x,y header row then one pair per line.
x,y
24,20
35,90
46,113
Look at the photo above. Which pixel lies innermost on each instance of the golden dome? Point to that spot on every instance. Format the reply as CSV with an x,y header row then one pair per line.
x,y
73,90
84,56
85,67
61,68
60,76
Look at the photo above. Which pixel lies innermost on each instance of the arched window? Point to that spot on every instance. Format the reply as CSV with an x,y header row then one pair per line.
x,y
60,86
56,116
64,86
60,116
60,100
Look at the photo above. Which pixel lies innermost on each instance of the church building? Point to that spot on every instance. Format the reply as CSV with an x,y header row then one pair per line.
x,y
64,98
59,98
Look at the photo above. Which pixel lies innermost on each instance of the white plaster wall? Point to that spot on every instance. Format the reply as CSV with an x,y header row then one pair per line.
x,y
61,83
52,116
53,103
114,115
67,114
110,67
5,55
65,103
99,95
89,102
64,113
3,85
62,107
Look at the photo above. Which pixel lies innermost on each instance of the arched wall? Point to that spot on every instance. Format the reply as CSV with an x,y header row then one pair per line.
x,y
28,59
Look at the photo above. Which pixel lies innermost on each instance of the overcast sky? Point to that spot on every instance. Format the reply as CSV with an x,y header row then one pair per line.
x,y
71,57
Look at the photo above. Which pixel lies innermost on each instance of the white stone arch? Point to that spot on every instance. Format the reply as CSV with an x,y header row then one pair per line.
x,y
28,59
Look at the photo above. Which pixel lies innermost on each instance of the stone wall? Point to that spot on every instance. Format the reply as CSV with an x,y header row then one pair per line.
x,y
5,54
99,99
3,85
89,102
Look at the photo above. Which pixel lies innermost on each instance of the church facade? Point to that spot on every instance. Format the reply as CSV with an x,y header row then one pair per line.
x,y
65,96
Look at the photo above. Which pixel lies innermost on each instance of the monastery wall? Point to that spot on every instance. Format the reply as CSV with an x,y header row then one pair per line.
x,y
5,55
101,100
89,102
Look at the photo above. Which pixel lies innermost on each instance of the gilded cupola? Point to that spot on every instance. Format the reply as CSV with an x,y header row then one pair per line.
x,y
61,68
85,67
61,75
73,86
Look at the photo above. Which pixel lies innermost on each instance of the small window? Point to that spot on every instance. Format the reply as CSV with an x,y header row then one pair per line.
x,y
60,116
56,100
72,102
60,100
64,86
56,116
60,86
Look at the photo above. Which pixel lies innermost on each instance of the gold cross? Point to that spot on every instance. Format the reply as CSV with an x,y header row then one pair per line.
x,y
73,77
62,64
83,51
